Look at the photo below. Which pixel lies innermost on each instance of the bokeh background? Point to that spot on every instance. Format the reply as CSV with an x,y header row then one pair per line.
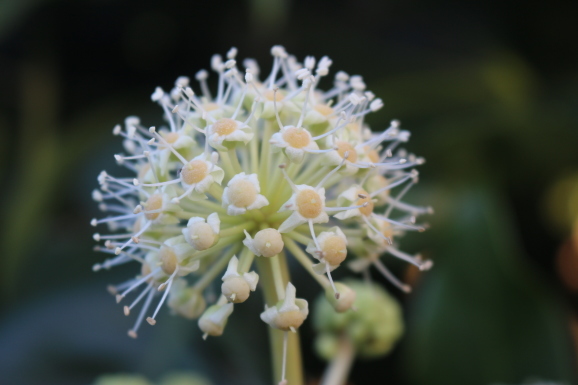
x,y
488,89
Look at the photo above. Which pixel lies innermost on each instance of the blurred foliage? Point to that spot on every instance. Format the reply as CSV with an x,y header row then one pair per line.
x,y
490,96
176,378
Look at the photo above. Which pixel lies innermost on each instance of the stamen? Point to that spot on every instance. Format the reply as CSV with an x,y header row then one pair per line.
x,y
151,320
108,263
139,282
398,198
307,89
286,176
318,151
390,277
113,289
332,131
169,116
201,77
179,156
95,221
241,100
284,367
346,207
157,184
416,261
127,309
368,223
186,193
253,109
275,108
133,332
336,293
409,208
400,224
332,172
134,238
390,186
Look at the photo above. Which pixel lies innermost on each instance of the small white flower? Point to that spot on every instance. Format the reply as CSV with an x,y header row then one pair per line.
x,y
172,255
158,208
228,130
185,300
236,287
267,243
198,174
287,314
355,195
201,233
344,150
214,319
332,250
242,194
307,204
294,141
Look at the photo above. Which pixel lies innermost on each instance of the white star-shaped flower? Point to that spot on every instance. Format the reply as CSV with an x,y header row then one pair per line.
x,y
294,141
242,194
228,130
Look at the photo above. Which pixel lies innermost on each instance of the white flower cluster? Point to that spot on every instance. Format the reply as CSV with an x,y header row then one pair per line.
x,y
266,169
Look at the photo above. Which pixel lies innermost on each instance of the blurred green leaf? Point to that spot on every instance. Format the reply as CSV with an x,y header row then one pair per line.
x,y
482,315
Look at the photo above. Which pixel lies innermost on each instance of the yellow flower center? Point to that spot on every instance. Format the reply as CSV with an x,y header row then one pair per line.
x,y
171,137
155,202
194,172
309,203
334,250
224,126
367,210
371,154
242,193
343,147
169,260
296,137
323,109
210,106
270,95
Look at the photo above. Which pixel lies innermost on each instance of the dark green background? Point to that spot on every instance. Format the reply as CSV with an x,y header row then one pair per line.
x,y
488,89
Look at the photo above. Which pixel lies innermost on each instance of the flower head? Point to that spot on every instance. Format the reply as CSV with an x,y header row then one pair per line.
x,y
262,168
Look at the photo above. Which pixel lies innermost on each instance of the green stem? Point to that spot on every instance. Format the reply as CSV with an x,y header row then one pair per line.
x,y
265,157
235,160
294,363
216,268
237,229
227,165
338,370
216,191
304,260
246,260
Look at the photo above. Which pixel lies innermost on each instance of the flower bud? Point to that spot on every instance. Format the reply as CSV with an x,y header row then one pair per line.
x,y
214,319
236,287
186,301
267,243
287,314
345,300
200,234
373,328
